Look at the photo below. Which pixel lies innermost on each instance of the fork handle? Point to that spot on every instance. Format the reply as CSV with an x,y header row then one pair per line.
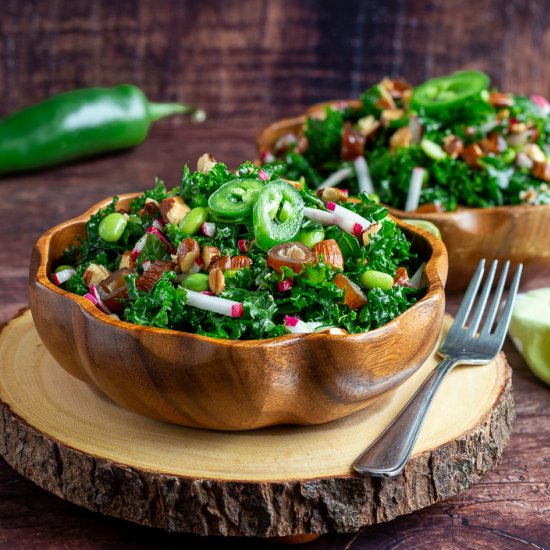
x,y
389,452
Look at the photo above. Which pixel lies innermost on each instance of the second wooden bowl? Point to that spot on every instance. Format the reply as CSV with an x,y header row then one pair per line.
x,y
516,233
230,385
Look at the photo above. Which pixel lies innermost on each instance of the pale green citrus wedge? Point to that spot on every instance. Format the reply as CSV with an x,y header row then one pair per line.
x,y
530,330
428,226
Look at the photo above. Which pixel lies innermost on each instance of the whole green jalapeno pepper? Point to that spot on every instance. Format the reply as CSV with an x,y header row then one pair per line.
x,y
234,200
277,214
80,124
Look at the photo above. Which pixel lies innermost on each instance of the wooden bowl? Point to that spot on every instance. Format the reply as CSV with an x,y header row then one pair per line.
x,y
516,233
205,382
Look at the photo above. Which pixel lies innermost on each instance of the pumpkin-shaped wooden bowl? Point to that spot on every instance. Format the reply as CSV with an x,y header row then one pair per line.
x,y
516,233
223,384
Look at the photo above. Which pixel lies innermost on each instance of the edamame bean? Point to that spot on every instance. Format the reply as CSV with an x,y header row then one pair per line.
x,y
376,279
196,281
311,236
112,226
193,220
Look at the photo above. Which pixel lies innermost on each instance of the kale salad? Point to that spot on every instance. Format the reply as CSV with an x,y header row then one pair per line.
x,y
449,142
244,255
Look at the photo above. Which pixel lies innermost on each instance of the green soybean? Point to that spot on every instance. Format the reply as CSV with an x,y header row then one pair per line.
x,y
112,226
193,220
196,281
376,279
311,236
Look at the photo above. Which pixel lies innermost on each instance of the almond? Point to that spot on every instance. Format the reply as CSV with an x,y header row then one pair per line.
x,y
372,230
332,194
367,126
471,155
401,138
209,255
453,146
334,331
390,115
534,152
216,281
500,100
541,170
205,163
94,274
354,296
331,253
126,260
150,208
150,277
188,252
239,262
173,210
221,263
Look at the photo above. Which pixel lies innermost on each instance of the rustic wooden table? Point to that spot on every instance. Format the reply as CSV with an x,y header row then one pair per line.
x,y
509,508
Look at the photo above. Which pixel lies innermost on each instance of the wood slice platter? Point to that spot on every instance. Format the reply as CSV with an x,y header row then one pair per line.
x,y
289,480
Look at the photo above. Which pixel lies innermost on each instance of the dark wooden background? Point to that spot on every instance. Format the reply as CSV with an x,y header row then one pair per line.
x,y
248,62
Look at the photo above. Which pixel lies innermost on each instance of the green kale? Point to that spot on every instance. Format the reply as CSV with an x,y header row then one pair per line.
x,y
324,138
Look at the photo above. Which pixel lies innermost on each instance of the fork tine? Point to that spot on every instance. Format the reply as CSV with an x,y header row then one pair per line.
x,y
468,299
480,308
502,326
486,329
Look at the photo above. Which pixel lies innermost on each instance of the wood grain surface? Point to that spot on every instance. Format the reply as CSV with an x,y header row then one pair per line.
x,y
280,481
249,62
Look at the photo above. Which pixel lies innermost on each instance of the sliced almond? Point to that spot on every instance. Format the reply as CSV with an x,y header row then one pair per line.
x,y
126,261
173,210
534,152
188,251
216,281
390,115
94,274
331,253
354,296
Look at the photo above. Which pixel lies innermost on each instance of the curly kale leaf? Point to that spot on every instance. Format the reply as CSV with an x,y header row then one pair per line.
x,y
324,138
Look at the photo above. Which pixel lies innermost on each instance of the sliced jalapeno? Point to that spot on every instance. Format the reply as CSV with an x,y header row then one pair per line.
x,y
448,91
234,200
277,214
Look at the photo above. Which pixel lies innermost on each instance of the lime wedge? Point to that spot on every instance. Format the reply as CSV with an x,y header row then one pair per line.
x,y
530,330
426,225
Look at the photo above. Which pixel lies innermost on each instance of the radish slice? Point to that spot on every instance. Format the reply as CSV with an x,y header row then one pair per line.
x,y
416,129
196,267
285,285
208,229
329,218
62,276
523,161
342,213
418,280
338,177
98,303
542,103
146,265
413,196
243,247
364,180
214,304
154,231
91,298
296,326
266,157
158,224
138,248
262,175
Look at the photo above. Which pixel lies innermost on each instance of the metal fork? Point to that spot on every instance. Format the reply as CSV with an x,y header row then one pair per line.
x,y
388,454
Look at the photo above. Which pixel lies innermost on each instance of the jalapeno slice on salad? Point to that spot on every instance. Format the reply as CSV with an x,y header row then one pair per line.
x,y
234,199
449,142
447,91
225,273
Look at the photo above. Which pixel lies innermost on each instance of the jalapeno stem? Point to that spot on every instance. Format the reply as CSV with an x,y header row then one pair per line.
x,y
161,110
